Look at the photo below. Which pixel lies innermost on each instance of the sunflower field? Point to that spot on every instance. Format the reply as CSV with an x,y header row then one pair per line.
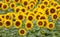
x,y
29,18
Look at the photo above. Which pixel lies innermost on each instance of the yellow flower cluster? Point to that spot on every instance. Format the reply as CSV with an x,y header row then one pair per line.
x,y
23,12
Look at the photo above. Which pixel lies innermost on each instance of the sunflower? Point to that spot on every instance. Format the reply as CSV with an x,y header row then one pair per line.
x,y
52,10
28,8
53,3
23,9
43,17
2,17
30,17
1,24
37,16
45,23
40,23
17,9
41,0
46,3
55,16
27,13
47,13
33,1
36,10
20,16
50,25
58,7
25,2
31,5
8,23
6,1
56,3
12,5
42,6
1,3
13,15
8,16
17,24
28,25
22,32
16,1
4,6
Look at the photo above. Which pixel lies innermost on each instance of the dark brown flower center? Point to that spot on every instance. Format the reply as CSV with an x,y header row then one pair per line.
x,y
45,3
7,0
29,25
25,3
45,23
17,23
22,31
42,0
54,16
0,19
30,18
7,17
17,10
20,17
2,16
8,23
12,5
52,10
42,7
16,0
23,10
37,17
50,25
42,17
1,23
47,11
0,5
4,6
40,23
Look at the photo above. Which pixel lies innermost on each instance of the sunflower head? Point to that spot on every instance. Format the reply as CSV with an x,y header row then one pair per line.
x,y
7,1
54,16
4,6
1,3
28,25
1,24
20,16
46,3
40,23
12,5
17,24
22,32
50,25
8,23
30,17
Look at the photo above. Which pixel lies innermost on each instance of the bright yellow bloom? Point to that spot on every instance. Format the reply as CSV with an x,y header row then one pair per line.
x,y
50,25
40,23
17,24
5,6
1,3
8,23
12,5
20,16
22,32
55,16
28,25
52,10
1,24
